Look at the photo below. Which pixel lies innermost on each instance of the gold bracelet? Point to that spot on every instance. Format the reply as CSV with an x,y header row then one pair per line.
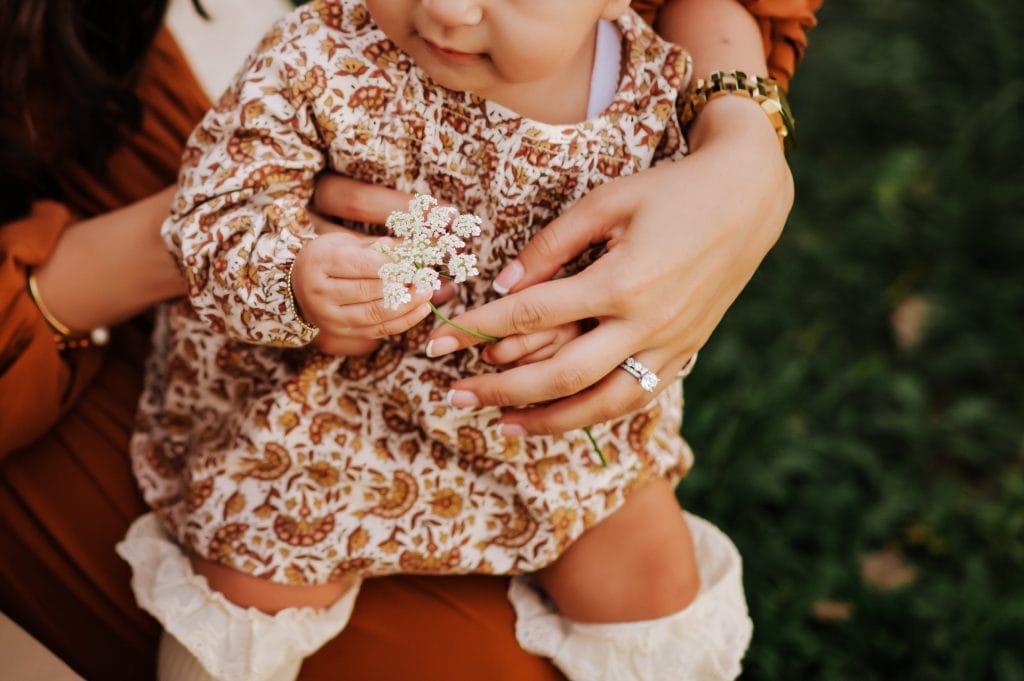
x,y
293,306
63,337
764,91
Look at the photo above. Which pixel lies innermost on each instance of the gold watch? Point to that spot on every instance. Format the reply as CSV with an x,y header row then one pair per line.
x,y
764,91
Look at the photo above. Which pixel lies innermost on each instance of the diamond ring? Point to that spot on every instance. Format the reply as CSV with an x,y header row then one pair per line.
x,y
648,379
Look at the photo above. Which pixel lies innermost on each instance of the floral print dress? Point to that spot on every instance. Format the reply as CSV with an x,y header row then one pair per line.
x,y
301,468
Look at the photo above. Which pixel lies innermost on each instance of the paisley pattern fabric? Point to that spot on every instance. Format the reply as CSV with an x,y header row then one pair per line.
x,y
260,453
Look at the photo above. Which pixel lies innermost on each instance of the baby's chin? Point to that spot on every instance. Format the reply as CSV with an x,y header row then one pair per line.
x,y
457,78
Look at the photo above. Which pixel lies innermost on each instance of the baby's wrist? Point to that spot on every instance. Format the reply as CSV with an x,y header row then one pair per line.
x,y
294,304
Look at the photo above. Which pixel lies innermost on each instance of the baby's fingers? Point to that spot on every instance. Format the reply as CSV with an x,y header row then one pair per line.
x,y
531,347
396,325
373,320
514,348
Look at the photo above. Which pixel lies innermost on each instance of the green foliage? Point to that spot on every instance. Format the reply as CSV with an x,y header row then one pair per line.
x,y
865,392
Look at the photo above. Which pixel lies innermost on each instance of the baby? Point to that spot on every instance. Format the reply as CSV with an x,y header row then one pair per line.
x,y
284,476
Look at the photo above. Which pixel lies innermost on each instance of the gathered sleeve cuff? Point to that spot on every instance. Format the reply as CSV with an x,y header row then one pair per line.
x,y
240,217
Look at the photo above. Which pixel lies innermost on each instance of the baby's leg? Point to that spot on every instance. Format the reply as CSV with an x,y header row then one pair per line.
x,y
638,564
247,591
222,624
647,595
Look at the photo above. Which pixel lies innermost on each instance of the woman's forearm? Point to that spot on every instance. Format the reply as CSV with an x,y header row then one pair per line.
x,y
108,268
721,35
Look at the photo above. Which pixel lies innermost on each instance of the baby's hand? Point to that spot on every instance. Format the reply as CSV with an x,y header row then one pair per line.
x,y
337,289
532,347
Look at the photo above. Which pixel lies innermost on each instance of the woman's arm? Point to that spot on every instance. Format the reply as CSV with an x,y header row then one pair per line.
x,y
106,269
682,241
783,25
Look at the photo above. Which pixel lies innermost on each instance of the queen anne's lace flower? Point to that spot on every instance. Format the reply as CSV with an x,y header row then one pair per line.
x,y
432,236
466,225
462,266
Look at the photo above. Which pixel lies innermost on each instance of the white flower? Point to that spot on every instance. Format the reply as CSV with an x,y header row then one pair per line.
x,y
449,244
395,295
439,218
462,266
420,204
401,224
431,235
426,279
398,272
466,225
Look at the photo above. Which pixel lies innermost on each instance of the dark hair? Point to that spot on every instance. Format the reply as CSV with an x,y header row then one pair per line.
x,y
68,70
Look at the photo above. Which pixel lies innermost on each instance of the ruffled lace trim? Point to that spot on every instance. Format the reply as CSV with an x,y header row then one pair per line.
x,y
704,642
233,643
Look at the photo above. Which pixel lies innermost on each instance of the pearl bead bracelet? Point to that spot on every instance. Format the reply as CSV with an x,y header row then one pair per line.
x,y
63,337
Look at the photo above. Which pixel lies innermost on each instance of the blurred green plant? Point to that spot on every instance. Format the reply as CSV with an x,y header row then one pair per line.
x,y
858,418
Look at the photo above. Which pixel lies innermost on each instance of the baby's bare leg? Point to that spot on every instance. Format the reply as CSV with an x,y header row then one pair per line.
x,y
247,591
637,564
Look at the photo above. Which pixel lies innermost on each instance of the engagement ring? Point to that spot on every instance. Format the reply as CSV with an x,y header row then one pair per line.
x,y
648,379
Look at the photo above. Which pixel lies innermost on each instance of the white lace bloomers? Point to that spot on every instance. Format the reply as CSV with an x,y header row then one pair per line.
x,y
260,453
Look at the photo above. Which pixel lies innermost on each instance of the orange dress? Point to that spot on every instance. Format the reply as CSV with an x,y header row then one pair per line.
x,y
66,490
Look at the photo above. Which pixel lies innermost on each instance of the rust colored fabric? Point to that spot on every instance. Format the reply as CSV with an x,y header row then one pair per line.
x,y
783,23
67,498
34,383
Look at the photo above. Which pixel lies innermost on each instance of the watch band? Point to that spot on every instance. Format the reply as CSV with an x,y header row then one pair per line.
x,y
764,91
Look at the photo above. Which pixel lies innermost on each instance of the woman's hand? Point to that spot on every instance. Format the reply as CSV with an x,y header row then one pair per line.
x,y
344,198
682,241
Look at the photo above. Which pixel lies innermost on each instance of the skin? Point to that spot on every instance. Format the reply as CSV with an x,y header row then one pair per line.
x,y
532,56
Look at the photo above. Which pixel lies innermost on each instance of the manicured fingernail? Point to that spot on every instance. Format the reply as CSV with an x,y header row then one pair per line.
x,y
508,278
441,346
462,399
512,430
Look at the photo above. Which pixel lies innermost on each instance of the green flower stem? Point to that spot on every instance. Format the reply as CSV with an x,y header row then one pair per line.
x,y
491,339
593,443
471,332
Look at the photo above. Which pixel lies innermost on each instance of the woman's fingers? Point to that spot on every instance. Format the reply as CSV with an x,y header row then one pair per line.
x,y
350,199
543,306
596,218
616,394
575,366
